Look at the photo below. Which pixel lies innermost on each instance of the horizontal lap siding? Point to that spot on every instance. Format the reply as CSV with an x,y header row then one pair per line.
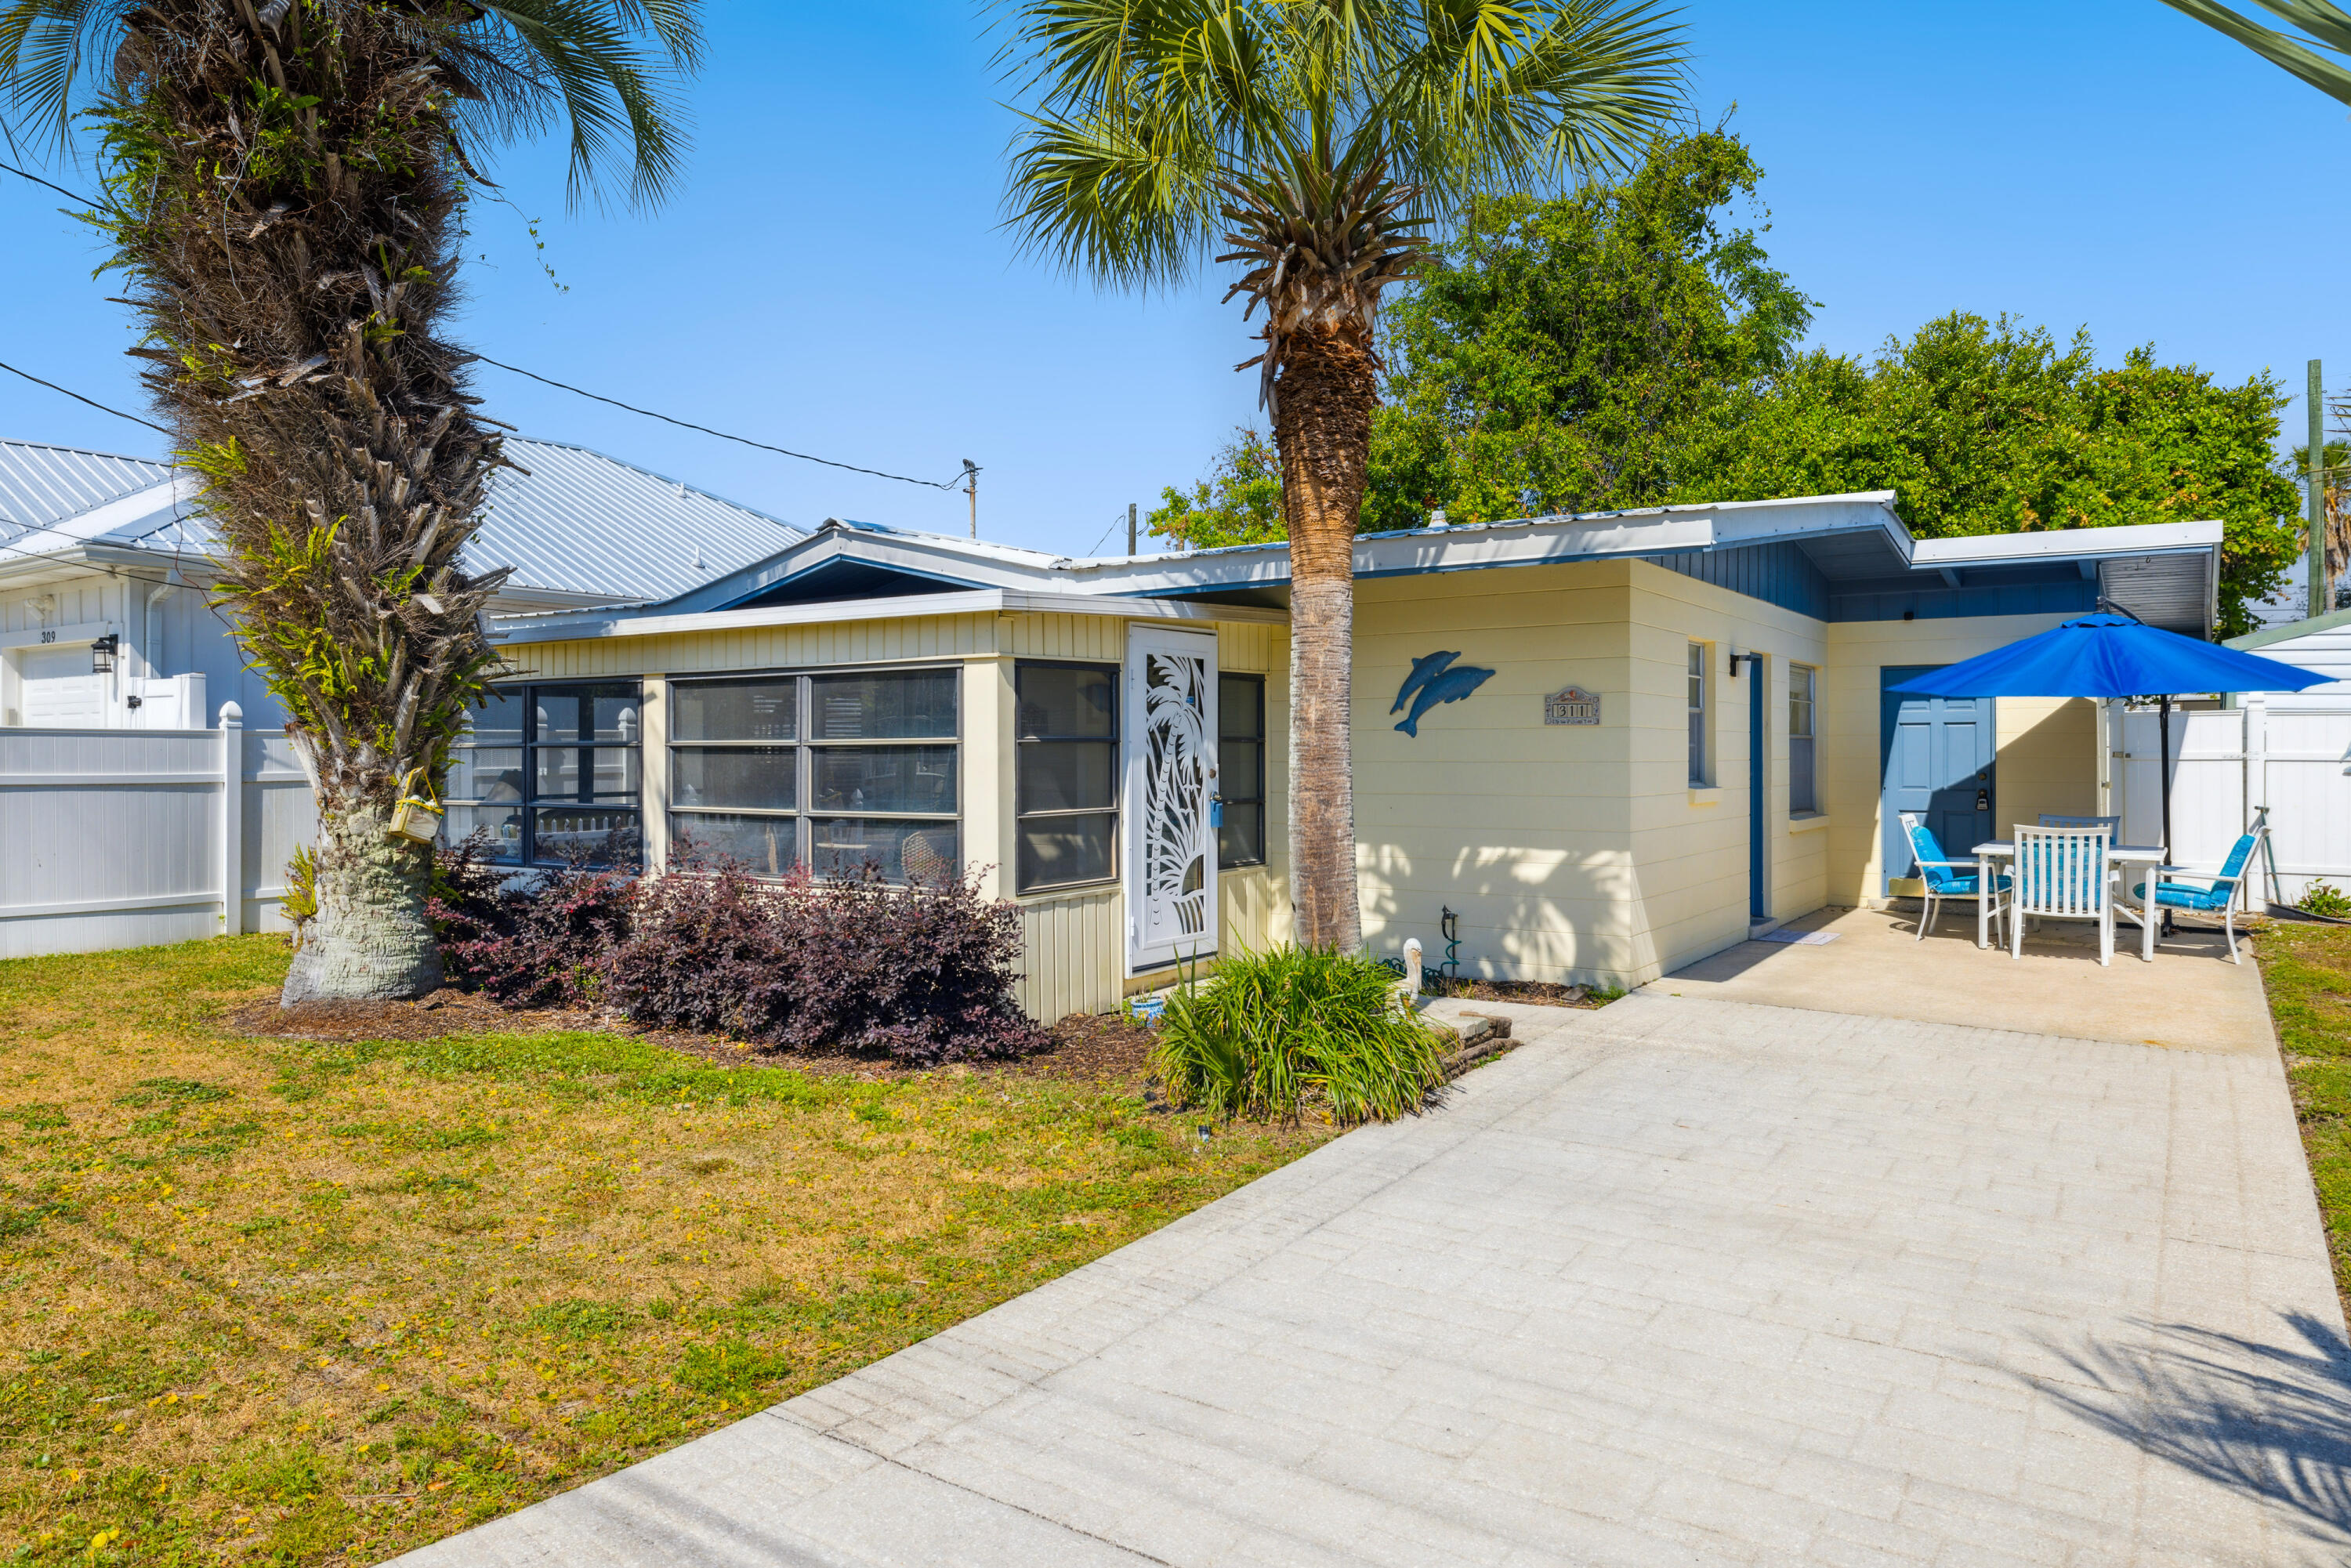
x,y
1519,826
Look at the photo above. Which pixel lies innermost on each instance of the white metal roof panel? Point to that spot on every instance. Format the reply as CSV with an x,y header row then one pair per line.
x,y
578,523
42,487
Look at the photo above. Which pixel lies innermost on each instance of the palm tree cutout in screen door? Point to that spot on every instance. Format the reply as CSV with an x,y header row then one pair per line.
x,y
1175,794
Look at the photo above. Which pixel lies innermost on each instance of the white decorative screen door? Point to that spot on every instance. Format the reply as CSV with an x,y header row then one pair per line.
x,y
1171,780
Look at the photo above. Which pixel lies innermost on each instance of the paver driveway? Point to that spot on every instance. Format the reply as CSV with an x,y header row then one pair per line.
x,y
1682,1280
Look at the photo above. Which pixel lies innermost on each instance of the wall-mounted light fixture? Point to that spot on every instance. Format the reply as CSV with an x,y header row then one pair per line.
x,y
1748,658
101,653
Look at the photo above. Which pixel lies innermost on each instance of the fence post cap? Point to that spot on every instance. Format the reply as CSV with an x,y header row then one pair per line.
x,y
231,713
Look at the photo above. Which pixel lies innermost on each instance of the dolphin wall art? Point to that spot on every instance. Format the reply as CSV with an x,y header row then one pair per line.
x,y
1450,686
1425,669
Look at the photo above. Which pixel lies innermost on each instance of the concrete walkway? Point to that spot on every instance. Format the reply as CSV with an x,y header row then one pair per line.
x,y
1680,1281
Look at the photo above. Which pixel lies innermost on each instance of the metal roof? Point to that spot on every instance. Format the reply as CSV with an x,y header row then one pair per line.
x,y
578,524
42,487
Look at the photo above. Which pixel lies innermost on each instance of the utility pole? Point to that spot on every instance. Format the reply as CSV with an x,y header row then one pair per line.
x,y
1130,528
2315,560
971,487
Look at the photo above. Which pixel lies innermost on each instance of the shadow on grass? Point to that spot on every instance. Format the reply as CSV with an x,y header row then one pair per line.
x,y
2270,1421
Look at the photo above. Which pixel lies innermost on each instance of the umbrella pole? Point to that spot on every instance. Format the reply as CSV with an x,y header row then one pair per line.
x,y
2163,773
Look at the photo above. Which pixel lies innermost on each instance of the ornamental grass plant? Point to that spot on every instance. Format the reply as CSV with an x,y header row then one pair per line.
x,y
1277,1032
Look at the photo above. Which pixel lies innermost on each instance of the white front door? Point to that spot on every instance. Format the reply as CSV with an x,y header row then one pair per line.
x,y
59,692
1170,781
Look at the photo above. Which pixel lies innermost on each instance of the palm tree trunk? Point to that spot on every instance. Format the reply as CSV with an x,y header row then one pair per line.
x,y
1323,423
371,940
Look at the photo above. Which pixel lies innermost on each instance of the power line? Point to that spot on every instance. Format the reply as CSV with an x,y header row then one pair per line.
x,y
60,190
79,398
745,440
545,380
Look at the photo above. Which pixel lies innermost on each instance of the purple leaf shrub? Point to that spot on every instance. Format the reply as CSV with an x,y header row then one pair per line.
x,y
920,973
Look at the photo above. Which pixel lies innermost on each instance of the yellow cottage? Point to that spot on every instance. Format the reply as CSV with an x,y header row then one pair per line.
x,y
1599,747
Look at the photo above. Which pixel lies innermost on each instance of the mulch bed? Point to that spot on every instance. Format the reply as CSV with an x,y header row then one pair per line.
x,y
1108,1051
1543,993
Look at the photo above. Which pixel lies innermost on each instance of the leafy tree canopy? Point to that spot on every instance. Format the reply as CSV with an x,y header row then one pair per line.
x,y
1630,345
1557,355
1985,427
1240,503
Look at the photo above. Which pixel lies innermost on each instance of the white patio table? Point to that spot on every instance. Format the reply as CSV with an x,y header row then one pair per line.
x,y
2147,855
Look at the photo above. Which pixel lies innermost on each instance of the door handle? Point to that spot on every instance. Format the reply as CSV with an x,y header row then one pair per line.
x,y
1983,799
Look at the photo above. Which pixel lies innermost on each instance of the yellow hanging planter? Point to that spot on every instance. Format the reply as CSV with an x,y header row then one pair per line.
x,y
417,818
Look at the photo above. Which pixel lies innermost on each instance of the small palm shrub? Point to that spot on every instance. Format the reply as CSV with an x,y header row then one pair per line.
x,y
1271,1032
2326,898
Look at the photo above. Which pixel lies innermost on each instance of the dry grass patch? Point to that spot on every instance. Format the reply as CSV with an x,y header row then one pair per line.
x,y
305,1301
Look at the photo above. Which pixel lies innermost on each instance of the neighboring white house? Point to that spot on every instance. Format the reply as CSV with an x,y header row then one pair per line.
x,y
95,547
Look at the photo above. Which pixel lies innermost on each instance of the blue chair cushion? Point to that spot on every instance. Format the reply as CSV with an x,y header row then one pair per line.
x,y
1965,886
2180,896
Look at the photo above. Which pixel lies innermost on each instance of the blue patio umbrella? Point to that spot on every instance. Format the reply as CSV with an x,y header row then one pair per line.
x,y
2108,656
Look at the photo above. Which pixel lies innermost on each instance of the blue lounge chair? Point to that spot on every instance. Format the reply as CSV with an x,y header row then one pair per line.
x,y
1943,877
2219,896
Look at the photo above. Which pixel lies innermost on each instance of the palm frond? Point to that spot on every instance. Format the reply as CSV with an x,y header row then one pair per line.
x,y
2326,23
44,47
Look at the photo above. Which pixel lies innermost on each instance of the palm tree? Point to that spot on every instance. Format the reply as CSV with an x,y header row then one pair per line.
x,y
2317,59
1316,139
284,183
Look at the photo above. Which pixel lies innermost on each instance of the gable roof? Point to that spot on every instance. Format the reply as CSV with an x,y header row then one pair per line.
x,y
577,527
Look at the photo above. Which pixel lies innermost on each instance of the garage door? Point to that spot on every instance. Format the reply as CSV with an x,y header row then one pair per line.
x,y
59,692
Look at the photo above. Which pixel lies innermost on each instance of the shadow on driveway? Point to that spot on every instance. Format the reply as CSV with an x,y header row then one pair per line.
x,y
2270,1421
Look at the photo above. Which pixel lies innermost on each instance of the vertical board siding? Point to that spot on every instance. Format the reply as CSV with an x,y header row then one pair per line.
x,y
1069,955
1778,573
2226,763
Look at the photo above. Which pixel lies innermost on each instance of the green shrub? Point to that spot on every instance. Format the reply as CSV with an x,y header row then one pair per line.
x,y
1272,1031
2326,898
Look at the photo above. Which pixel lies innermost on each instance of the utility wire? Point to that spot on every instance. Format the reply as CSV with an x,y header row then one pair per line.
x,y
688,424
952,483
79,398
60,190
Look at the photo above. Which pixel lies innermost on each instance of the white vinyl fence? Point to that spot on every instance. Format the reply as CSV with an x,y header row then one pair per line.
x,y
121,838
2227,763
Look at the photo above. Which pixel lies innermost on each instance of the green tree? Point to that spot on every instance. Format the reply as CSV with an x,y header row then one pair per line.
x,y
1312,138
285,185
1240,503
1556,357
1983,427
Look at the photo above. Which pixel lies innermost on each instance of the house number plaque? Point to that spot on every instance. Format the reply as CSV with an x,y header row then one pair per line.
x,y
1572,704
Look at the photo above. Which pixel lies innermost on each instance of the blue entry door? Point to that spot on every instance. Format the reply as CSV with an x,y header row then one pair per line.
x,y
1937,758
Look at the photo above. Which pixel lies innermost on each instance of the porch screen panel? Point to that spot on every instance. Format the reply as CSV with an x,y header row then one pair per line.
x,y
552,773
1066,776
1240,769
827,771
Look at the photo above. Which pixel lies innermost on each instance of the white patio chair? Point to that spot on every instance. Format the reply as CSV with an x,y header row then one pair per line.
x,y
2062,874
2220,898
2113,825
1941,877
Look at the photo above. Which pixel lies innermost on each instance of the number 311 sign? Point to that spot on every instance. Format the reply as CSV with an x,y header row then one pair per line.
x,y
1572,704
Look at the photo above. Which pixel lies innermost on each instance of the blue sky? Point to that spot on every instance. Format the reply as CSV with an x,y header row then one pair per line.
x,y
832,276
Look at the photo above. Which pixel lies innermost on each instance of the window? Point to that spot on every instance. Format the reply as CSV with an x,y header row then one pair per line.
x,y
828,771
552,773
1240,769
1804,794
1065,734
1697,669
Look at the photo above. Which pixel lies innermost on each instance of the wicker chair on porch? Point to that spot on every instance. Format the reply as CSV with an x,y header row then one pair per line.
x,y
1941,877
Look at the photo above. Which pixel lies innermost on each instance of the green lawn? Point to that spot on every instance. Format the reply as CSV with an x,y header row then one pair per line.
x,y
274,1301
2307,969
